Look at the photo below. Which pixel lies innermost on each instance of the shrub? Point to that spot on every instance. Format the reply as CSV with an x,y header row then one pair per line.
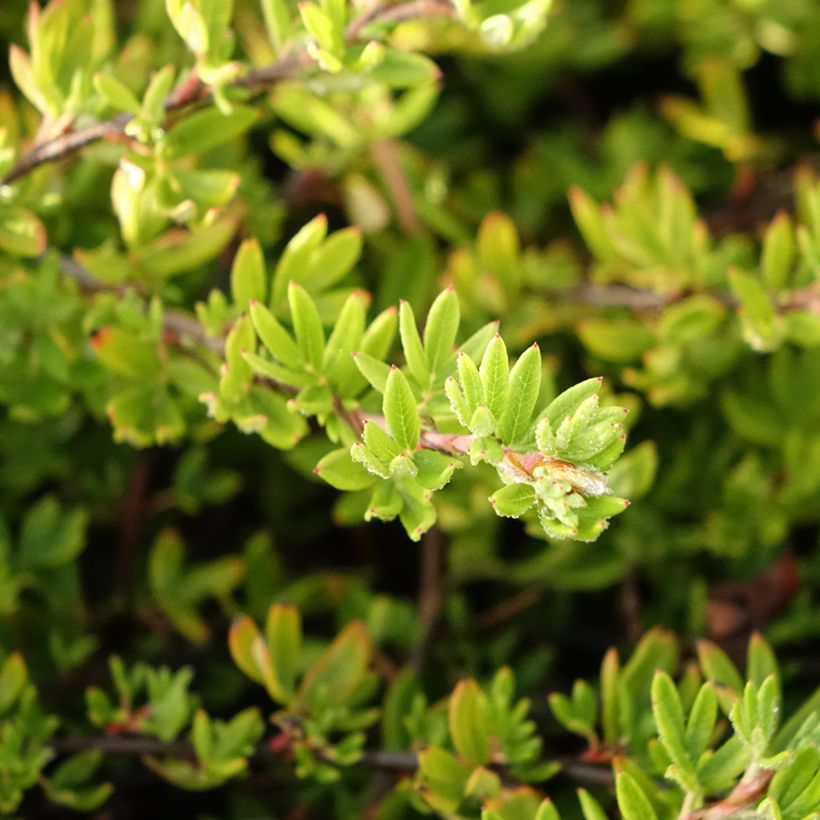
x,y
273,276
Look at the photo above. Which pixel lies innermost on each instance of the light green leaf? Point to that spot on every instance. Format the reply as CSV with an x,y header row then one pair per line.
x,y
412,346
525,382
494,371
276,339
400,411
248,279
307,326
632,801
206,129
468,721
440,329
283,634
341,472
339,669
513,501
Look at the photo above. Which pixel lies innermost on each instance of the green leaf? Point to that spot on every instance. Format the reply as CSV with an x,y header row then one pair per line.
x,y
590,221
440,329
434,469
668,713
319,26
307,325
21,232
243,636
345,338
513,501
411,345
566,403
341,472
717,667
398,701
334,259
547,811
276,339
470,381
468,723
701,724
339,669
494,371
283,633
49,537
590,807
619,340
377,440
204,130
13,677
248,279
525,382
758,312
400,411
632,801
277,22
761,661
610,695
294,261
405,69
116,94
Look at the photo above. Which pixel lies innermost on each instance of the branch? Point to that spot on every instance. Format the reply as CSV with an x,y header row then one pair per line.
x,y
385,155
624,296
193,92
385,759
431,591
176,324
750,789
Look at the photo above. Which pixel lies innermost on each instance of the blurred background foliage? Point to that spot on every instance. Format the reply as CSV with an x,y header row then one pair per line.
x,y
634,189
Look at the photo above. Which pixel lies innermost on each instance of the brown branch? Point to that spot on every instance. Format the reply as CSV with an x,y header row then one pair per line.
x,y
127,746
508,609
431,591
384,759
193,92
624,296
176,323
744,795
385,155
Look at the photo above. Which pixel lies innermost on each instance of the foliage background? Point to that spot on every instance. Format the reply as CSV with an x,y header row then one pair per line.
x,y
724,446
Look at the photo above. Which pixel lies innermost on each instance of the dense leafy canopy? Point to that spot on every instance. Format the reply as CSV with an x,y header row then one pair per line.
x,y
273,275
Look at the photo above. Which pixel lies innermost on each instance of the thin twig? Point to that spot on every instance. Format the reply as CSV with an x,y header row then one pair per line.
x,y
385,155
286,67
132,519
385,759
624,296
431,591
745,794
508,609
126,746
176,324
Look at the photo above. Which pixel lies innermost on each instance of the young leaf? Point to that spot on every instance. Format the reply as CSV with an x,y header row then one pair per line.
x,y
339,669
632,801
441,328
525,381
248,280
400,411
340,471
513,501
494,371
307,326
468,723
242,637
283,633
411,345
